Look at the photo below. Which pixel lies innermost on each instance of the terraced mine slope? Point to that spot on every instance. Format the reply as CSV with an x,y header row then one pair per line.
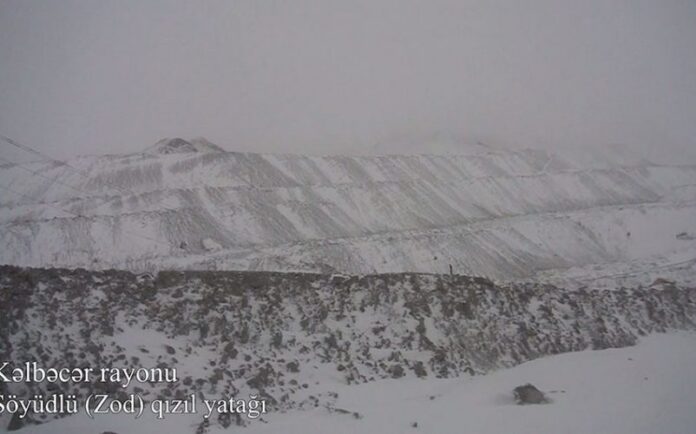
x,y
501,214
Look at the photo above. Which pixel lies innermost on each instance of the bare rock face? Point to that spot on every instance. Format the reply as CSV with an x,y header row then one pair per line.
x,y
174,146
181,146
529,394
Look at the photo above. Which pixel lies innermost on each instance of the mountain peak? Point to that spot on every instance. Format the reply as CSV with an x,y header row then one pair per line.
x,y
178,145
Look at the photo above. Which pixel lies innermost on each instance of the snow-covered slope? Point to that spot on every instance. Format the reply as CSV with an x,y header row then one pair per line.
x,y
646,389
297,339
503,214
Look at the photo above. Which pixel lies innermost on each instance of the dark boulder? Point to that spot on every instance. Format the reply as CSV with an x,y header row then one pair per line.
x,y
528,394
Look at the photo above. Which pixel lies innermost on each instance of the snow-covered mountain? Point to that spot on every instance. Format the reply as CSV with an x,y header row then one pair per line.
x,y
505,214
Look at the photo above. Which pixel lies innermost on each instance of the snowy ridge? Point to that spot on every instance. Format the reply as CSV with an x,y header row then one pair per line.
x,y
503,214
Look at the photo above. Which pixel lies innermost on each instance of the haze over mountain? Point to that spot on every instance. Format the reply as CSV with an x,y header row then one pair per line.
x,y
312,77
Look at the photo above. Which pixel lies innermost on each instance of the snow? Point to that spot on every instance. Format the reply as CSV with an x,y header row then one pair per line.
x,y
649,388
603,220
210,244
500,213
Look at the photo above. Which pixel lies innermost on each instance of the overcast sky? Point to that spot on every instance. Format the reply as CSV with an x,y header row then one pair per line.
x,y
327,77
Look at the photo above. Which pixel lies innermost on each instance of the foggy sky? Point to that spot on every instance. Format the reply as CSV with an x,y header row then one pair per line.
x,y
91,77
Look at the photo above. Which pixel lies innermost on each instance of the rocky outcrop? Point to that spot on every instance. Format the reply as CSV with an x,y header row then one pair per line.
x,y
181,146
285,336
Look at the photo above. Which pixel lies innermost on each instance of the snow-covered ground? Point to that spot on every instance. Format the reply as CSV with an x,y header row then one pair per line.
x,y
649,388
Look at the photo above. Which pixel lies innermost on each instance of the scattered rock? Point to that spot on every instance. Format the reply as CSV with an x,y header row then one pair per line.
x,y
685,236
528,394
239,316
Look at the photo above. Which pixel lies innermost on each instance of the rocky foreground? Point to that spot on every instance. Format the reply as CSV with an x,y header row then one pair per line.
x,y
280,335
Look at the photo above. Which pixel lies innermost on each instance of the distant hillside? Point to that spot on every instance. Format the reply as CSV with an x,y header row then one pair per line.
x,y
188,204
